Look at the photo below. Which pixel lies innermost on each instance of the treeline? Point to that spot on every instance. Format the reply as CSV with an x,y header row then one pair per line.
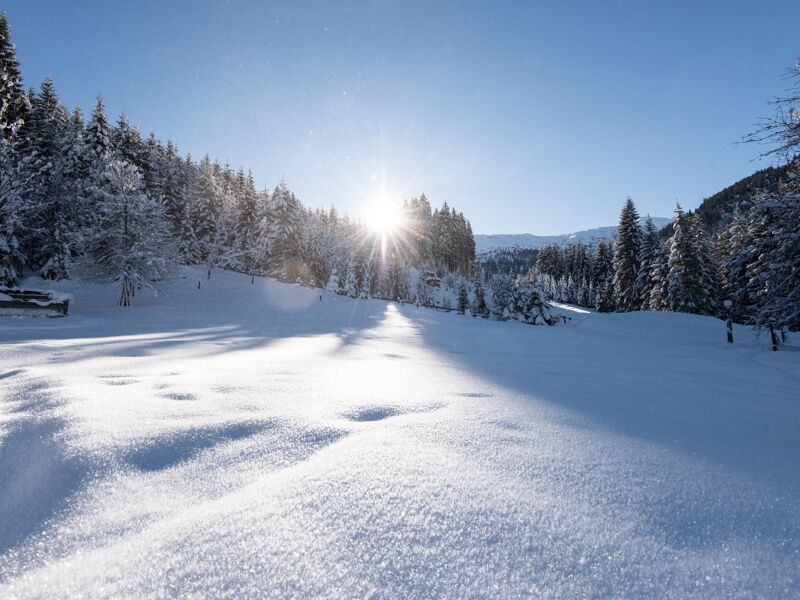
x,y
98,200
754,261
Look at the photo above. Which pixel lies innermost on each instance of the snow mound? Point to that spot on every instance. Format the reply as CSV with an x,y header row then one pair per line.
x,y
247,439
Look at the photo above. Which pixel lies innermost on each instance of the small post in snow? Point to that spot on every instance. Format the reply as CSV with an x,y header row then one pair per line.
x,y
198,284
774,338
729,306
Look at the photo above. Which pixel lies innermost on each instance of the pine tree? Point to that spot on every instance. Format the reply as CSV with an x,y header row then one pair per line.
x,y
12,258
644,283
626,259
207,207
479,306
132,244
603,277
44,186
692,282
13,101
659,278
737,249
284,221
127,144
463,298
502,295
774,274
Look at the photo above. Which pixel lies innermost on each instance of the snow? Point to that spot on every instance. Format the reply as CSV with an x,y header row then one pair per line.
x,y
247,440
489,242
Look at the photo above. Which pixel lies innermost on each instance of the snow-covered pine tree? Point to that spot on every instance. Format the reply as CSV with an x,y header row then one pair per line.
x,y
463,298
774,274
207,207
131,242
736,249
692,285
44,187
626,259
98,155
479,306
603,277
643,285
12,258
528,302
127,145
13,100
284,222
97,140
502,293
154,169
350,286
709,275
659,278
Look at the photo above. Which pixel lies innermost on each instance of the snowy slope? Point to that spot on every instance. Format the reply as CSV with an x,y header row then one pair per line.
x,y
249,440
590,237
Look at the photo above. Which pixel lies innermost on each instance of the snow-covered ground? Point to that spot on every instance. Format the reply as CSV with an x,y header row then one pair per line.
x,y
251,440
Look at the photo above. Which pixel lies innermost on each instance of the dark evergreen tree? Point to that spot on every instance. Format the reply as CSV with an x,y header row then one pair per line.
x,y
626,259
603,277
13,100
463,298
648,255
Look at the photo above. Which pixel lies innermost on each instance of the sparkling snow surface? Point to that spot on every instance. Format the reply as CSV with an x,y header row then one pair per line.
x,y
251,440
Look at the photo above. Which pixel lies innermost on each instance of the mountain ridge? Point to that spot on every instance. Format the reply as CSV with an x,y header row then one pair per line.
x,y
590,237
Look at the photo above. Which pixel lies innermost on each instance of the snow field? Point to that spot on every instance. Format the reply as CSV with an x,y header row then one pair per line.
x,y
248,440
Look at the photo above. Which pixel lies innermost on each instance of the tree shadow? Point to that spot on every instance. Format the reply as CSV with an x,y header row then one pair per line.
x,y
732,445
38,476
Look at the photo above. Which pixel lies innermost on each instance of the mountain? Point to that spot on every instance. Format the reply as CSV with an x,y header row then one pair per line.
x,y
589,237
717,210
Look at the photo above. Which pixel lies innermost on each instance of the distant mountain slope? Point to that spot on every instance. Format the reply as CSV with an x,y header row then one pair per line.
x,y
715,211
590,237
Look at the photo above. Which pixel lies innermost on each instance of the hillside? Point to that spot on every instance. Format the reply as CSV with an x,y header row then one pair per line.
x,y
243,437
589,237
717,210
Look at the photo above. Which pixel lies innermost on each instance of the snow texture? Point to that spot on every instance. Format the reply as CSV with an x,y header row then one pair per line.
x,y
255,440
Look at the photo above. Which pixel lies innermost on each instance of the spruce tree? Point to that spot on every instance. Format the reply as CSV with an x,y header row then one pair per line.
x,y
479,306
132,243
626,259
647,257
692,281
774,274
603,277
463,298
13,100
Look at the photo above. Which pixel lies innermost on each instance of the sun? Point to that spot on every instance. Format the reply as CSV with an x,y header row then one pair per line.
x,y
384,217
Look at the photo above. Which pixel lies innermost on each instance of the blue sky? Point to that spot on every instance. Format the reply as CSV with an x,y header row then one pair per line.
x,y
535,117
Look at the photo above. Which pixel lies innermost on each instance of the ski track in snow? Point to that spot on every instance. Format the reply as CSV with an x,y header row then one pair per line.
x,y
251,440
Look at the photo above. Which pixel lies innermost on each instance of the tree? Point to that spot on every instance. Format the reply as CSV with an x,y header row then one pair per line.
x,y
479,306
132,244
44,187
692,283
12,258
643,286
13,101
659,277
463,298
603,277
284,223
502,296
626,259
774,274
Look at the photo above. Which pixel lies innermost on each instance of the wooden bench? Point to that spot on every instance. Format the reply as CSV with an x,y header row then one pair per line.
x,y
17,302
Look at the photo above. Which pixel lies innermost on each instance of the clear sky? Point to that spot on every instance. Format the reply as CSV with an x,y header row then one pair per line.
x,y
535,117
